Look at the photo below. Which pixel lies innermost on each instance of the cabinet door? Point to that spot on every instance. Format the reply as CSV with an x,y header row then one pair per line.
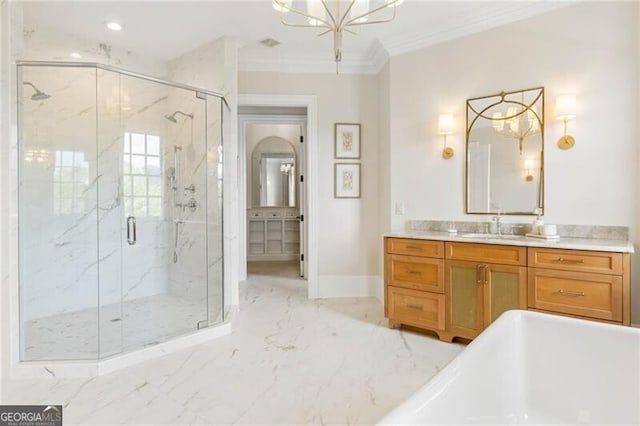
x,y
505,288
463,288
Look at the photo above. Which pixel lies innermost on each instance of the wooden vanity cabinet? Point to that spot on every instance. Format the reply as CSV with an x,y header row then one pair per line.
x,y
414,283
458,289
477,292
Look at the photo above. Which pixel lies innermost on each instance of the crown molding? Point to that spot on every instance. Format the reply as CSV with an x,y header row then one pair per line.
x,y
496,15
377,56
501,13
301,64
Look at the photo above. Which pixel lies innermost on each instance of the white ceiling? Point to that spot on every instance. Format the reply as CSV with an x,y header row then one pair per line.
x,y
167,29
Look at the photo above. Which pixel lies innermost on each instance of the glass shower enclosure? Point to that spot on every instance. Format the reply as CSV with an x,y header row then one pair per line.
x,y
120,210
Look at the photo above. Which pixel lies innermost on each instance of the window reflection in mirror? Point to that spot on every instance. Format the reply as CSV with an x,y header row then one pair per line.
x,y
505,140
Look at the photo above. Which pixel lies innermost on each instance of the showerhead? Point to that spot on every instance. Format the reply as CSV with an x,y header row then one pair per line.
x,y
39,95
172,117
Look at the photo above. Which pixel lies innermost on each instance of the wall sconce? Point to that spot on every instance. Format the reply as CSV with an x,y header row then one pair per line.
x,y
528,164
445,127
565,111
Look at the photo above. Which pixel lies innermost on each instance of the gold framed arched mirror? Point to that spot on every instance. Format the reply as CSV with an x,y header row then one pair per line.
x,y
505,153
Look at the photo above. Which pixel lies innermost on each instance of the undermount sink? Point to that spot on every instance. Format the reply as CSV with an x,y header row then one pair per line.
x,y
493,236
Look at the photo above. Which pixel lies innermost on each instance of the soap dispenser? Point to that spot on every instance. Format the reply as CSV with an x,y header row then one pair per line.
x,y
538,223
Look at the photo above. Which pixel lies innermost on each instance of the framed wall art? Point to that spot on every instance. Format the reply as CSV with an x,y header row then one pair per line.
x,y
347,140
347,180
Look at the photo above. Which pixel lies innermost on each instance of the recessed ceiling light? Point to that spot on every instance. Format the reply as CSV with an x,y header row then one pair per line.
x,y
75,55
114,26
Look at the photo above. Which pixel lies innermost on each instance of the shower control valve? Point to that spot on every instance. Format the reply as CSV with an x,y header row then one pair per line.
x,y
192,205
190,189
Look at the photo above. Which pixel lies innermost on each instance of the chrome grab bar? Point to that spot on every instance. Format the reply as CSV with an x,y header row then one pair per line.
x,y
131,230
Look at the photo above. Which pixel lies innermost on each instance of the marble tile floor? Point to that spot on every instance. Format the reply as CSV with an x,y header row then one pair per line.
x,y
123,327
289,268
289,360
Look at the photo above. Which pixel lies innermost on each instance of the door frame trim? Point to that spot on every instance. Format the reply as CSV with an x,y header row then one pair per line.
x,y
311,169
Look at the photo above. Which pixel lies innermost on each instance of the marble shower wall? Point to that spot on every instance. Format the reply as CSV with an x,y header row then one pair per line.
x,y
58,179
216,119
214,67
187,273
199,241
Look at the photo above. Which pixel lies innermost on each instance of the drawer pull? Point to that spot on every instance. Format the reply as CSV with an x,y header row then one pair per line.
x,y
412,247
571,293
418,307
411,272
563,260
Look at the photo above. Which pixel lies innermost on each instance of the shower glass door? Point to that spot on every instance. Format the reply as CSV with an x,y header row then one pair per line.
x,y
163,213
120,210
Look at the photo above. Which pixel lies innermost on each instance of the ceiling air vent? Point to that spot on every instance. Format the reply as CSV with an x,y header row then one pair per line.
x,y
269,42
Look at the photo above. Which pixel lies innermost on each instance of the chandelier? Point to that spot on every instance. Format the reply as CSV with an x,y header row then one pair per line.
x,y
519,123
327,16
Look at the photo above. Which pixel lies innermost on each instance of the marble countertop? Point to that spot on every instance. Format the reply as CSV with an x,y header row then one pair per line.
x,y
621,246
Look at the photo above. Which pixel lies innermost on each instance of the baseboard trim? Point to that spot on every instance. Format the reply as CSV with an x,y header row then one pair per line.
x,y
380,289
337,286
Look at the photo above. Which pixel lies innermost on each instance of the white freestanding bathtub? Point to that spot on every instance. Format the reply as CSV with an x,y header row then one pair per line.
x,y
532,368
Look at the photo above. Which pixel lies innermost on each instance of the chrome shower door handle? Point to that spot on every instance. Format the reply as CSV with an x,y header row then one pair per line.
x,y
131,230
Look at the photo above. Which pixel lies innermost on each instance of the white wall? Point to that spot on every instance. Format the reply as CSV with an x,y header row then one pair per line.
x,y
635,227
348,238
588,48
384,153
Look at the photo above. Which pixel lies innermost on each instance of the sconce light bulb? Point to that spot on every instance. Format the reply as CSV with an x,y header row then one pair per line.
x,y
445,124
566,106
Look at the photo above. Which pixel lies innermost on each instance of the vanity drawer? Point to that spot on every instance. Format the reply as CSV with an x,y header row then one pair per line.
x,y
412,247
419,273
416,308
274,214
576,293
576,260
487,253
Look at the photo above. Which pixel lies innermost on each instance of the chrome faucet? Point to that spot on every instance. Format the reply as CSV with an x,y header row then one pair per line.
x,y
497,218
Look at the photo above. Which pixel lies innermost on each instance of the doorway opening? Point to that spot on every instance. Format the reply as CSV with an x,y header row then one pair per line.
x,y
272,161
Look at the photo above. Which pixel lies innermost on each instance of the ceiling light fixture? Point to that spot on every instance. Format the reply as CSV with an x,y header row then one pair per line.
x,y
327,17
270,42
114,26
75,55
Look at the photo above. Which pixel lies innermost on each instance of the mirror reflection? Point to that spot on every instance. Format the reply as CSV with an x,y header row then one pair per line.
x,y
274,171
505,140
